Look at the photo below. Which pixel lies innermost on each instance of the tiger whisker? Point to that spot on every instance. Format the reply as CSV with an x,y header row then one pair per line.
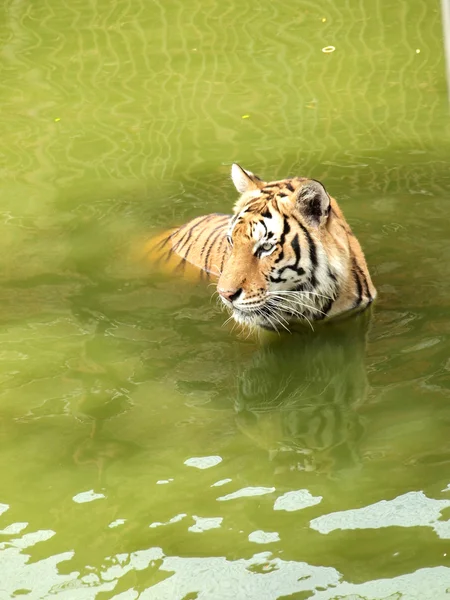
x,y
295,296
309,323
217,300
267,317
258,312
277,318
280,318
295,303
250,331
227,321
294,312
291,308
295,293
219,272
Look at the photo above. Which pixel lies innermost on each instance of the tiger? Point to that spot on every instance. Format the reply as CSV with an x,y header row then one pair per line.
x,y
286,255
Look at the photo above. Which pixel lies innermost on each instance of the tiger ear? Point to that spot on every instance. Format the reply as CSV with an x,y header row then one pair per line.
x,y
244,181
313,202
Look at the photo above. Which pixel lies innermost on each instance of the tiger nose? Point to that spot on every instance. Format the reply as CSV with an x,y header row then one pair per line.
x,y
230,295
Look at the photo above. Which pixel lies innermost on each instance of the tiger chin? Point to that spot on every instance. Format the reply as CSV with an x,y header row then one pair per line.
x,y
286,255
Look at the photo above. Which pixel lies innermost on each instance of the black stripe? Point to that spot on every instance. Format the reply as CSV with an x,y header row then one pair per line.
x,y
264,225
325,309
160,245
181,265
178,230
311,243
286,230
357,283
312,247
224,255
211,247
296,247
266,214
279,278
364,282
163,242
187,236
289,186
210,234
176,247
332,275
329,303
312,253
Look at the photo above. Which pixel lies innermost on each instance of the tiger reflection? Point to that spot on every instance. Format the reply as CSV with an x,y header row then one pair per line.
x,y
298,398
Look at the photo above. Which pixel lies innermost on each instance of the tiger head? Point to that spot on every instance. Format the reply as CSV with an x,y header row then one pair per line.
x,y
283,263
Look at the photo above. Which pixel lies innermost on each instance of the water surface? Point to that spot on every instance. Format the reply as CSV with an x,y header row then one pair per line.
x,y
148,451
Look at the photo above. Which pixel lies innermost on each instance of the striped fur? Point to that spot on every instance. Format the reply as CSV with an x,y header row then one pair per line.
x,y
286,254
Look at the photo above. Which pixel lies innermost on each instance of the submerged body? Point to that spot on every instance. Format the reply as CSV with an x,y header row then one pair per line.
x,y
286,254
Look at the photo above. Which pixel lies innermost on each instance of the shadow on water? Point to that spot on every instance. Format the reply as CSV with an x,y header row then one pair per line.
x,y
298,397
123,120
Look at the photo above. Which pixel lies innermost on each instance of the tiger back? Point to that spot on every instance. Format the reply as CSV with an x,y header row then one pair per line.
x,y
197,247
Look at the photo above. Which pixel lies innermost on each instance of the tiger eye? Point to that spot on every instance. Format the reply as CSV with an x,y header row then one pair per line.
x,y
266,246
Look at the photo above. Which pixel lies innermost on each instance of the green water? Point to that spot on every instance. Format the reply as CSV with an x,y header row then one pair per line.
x,y
147,451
